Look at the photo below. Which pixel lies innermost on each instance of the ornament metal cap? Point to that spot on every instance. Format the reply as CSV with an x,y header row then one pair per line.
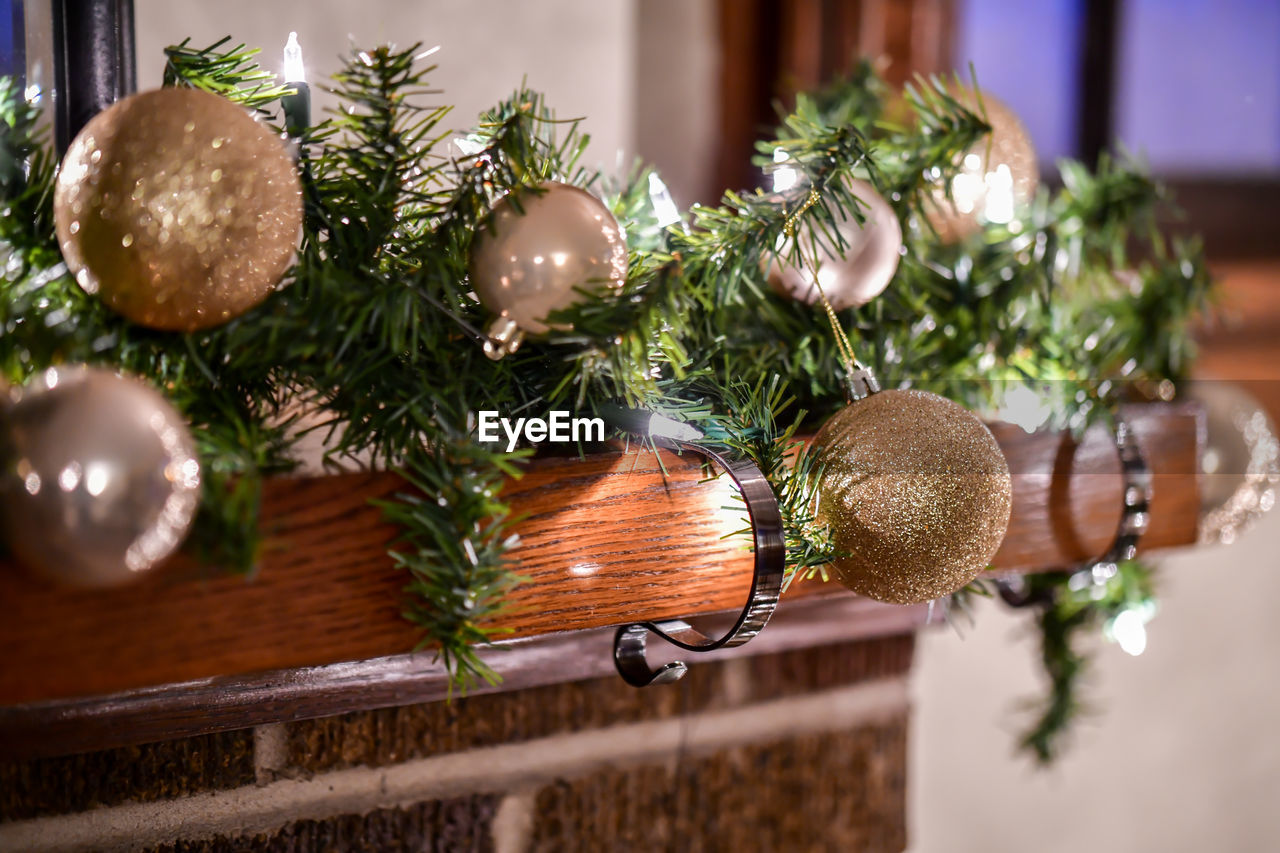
x,y
860,383
503,338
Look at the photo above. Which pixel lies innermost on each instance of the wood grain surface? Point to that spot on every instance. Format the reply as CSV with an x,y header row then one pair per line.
x,y
209,705
605,540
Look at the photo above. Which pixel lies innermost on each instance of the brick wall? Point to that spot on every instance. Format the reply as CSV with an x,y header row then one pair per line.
x,y
803,750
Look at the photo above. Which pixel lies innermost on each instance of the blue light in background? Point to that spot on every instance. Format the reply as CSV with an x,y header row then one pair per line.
x,y
1199,84
1025,54
13,53
1197,81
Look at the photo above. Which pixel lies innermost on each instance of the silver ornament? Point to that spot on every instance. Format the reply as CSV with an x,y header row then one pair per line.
x,y
543,249
870,257
99,480
1240,466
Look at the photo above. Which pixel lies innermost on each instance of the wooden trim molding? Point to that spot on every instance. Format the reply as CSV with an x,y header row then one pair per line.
x,y
605,540
219,704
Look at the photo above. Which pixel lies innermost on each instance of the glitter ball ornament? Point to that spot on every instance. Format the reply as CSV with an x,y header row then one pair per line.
x,y
998,175
1240,465
915,490
178,209
870,256
99,479
540,252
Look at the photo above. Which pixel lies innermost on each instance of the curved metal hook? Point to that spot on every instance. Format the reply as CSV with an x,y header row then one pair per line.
x,y
1134,521
766,583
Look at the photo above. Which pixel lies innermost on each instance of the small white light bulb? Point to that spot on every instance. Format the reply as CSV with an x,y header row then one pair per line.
x,y
784,177
294,72
1130,632
664,207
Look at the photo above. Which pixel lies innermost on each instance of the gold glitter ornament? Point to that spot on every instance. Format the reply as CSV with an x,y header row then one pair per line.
x,y
915,490
541,252
178,209
997,176
99,479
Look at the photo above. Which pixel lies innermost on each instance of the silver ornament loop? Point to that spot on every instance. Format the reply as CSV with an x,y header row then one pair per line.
x,y
629,643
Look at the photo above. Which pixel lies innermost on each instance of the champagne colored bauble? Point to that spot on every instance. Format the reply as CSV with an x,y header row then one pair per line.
x,y
178,209
1240,465
916,492
997,176
545,249
870,256
99,479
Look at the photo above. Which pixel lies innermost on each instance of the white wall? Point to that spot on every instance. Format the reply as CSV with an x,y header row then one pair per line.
x,y
677,88
642,72
579,52
1182,753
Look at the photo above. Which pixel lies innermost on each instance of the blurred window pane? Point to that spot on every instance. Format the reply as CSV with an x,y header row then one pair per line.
x,y
1199,84
1025,54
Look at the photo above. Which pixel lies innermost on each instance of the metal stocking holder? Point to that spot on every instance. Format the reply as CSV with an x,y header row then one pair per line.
x,y
766,583
1133,523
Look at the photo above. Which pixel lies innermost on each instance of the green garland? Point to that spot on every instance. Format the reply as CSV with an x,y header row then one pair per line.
x,y
378,302
1065,609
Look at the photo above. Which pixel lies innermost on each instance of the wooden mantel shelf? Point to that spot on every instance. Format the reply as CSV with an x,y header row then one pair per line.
x,y
605,540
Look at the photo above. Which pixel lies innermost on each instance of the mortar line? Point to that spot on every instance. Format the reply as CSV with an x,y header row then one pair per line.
x,y
270,751
512,828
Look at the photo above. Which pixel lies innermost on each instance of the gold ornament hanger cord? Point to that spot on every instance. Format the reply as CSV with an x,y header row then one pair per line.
x,y
860,381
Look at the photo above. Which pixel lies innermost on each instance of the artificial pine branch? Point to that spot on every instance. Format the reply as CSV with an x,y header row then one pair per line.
x,y
26,179
377,326
227,71
752,428
1070,608
459,579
